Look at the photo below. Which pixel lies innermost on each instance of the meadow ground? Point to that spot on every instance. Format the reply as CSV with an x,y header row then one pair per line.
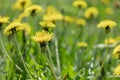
x,y
59,39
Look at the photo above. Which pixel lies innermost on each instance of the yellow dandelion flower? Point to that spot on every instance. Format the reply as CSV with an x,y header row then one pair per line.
x,y
106,24
3,19
110,40
116,52
52,17
105,1
26,28
13,27
33,9
117,38
80,21
91,12
42,36
68,19
52,14
109,11
21,4
80,3
51,10
117,71
82,44
47,24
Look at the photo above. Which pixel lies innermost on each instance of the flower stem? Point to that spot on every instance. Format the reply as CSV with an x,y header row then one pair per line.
x,y
108,44
3,48
57,57
24,44
6,53
21,57
107,50
49,59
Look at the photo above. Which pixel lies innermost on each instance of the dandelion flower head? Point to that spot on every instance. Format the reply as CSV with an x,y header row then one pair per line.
x,y
80,21
42,36
33,9
3,19
109,11
47,24
52,14
110,41
106,24
80,3
68,19
117,38
21,4
91,12
117,71
82,44
116,52
13,27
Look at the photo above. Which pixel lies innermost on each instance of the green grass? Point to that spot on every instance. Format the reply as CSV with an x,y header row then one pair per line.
x,y
61,59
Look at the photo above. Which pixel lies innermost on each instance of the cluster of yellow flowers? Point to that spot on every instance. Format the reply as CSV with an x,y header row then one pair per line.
x,y
30,9
50,16
17,25
107,25
90,12
78,21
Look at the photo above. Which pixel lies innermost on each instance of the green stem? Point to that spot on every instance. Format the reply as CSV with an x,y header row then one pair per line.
x,y
3,48
107,50
98,72
57,57
6,53
20,54
24,44
49,55
50,62
107,44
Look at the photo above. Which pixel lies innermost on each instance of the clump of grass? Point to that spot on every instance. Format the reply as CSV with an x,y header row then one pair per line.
x,y
58,40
